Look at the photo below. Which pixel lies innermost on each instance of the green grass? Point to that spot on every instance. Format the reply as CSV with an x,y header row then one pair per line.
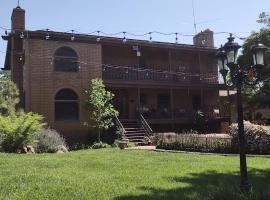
x,y
128,174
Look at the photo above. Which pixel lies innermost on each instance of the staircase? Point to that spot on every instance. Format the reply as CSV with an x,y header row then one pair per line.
x,y
134,131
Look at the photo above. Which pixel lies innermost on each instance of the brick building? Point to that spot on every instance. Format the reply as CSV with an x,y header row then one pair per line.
x,y
165,82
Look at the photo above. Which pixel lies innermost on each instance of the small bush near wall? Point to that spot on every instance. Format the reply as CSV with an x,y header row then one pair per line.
x,y
50,141
257,137
191,141
19,130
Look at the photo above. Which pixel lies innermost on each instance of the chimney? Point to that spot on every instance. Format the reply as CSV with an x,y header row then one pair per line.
x,y
17,51
18,19
204,38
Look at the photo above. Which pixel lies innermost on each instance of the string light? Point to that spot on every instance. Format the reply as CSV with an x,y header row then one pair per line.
x,y
72,38
21,35
124,38
176,38
98,37
150,36
47,37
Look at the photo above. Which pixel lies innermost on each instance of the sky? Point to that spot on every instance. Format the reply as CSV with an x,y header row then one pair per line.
x,y
139,16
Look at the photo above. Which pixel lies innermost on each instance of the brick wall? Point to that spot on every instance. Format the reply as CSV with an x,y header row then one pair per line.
x,y
41,82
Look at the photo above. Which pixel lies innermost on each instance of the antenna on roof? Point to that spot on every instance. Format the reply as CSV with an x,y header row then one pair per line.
x,y
18,3
194,19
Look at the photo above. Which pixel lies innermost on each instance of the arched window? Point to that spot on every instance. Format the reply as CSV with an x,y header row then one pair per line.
x,y
66,105
66,60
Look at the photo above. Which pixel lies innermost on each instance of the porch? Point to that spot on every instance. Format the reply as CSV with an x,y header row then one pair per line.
x,y
170,107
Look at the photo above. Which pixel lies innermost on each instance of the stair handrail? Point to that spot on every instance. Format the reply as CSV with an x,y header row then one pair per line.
x,y
145,125
119,124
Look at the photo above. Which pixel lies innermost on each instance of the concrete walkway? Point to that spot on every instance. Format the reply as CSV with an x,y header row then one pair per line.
x,y
143,147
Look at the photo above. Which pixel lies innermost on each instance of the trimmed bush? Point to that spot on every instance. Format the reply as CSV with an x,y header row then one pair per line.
x,y
20,130
257,137
50,141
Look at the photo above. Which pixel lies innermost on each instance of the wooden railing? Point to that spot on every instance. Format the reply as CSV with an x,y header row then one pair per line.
x,y
145,125
210,112
133,74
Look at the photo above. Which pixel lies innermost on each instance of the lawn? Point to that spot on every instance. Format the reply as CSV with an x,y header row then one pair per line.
x,y
128,174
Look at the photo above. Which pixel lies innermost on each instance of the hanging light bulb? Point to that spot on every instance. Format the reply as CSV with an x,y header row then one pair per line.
x,y
124,38
72,37
150,36
176,38
104,69
21,35
126,71
47,37
98,37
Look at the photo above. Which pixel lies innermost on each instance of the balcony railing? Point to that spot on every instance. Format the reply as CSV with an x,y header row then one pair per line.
x,y
134,74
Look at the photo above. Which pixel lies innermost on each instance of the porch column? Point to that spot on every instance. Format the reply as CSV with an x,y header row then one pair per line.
x,y
172,107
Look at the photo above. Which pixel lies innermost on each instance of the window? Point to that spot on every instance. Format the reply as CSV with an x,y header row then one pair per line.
x,y
66,60
142,62
66,105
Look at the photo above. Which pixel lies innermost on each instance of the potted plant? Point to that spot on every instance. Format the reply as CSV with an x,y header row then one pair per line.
x,y
123,141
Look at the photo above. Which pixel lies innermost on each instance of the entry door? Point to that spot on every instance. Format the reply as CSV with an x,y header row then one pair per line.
x,y
121,104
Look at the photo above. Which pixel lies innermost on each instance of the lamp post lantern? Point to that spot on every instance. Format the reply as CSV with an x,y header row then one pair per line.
x,y
235,75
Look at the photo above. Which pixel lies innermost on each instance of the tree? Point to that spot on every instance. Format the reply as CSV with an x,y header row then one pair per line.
x,y
257,96
264,18
102,111
9,95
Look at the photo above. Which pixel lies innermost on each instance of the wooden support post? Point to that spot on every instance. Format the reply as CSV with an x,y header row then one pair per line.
x,y
172,108
139,101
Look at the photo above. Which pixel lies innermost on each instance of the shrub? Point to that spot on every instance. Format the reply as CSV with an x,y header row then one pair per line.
x,y
50,141
190,141
257,137
79,146
20,130
100,145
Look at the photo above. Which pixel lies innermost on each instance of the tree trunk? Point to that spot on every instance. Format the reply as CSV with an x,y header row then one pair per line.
x,y
98,135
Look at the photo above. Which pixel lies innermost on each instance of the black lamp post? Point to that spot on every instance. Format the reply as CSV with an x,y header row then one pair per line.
x,y
235,75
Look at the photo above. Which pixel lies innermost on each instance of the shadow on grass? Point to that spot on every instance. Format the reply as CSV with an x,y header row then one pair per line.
x,y
209,185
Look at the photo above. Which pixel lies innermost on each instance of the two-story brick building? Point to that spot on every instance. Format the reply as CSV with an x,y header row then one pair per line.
x,y
165,82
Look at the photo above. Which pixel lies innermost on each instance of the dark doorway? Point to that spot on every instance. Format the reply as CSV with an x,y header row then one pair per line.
x,y
196,101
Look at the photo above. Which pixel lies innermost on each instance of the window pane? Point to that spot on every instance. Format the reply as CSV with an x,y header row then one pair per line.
x,y
66,60
66,111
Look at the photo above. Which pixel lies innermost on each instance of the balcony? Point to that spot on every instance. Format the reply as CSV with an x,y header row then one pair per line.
x,y
129,74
